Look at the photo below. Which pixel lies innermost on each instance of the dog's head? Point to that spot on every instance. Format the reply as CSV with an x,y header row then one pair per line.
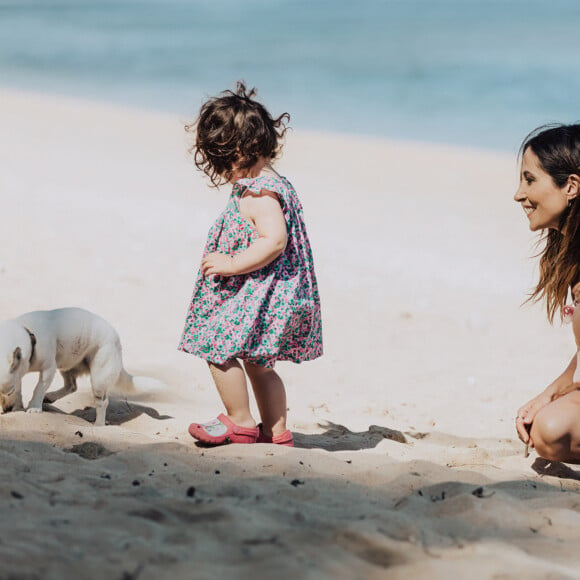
x,y
10,379
13,365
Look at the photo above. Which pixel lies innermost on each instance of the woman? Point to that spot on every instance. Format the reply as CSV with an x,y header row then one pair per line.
x,y
548,193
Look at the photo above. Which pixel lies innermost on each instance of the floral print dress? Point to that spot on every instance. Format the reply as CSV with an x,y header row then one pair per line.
x,y
267,315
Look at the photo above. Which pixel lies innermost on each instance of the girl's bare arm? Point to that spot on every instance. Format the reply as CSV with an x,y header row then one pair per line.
x,y
264,212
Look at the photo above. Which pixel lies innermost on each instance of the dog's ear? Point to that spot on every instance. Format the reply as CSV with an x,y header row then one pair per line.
x,y
16,358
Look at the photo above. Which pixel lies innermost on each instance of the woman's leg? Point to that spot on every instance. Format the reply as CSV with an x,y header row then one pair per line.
x,y
555,431
270,396
230,381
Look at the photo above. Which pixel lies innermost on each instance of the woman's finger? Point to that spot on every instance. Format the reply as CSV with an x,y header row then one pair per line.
x,y
532,411
522,430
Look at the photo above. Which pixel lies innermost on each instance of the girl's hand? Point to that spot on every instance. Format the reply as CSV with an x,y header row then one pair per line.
x,y
216,263
527,413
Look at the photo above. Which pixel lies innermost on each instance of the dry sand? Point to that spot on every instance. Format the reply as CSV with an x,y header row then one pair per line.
x,y
406,462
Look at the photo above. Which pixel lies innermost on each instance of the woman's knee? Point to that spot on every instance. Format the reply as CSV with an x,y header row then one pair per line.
x,y
550,434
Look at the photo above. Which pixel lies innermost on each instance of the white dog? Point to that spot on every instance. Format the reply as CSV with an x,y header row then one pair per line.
x,y
70,340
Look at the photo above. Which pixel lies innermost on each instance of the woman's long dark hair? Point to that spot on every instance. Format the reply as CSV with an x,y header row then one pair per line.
x,y
558,150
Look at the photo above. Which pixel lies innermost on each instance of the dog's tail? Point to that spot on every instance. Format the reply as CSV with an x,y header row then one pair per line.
x,y
129,385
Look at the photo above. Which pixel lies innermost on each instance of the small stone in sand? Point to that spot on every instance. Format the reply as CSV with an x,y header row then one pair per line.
x,y
89,450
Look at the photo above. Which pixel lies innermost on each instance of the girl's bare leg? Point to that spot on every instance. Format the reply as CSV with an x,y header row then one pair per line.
x,y
555,431
230,381
270,396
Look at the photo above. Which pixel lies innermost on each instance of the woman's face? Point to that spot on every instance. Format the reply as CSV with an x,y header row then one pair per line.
x,y
541,199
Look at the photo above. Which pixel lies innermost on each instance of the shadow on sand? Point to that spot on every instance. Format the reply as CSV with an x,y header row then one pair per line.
x,y
119,411
544,467
339,438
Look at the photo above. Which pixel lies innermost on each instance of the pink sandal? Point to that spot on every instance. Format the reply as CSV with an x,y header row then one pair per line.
x,y
285,438
221,430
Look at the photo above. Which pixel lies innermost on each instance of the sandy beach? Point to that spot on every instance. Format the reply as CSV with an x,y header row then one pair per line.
x,y
406,464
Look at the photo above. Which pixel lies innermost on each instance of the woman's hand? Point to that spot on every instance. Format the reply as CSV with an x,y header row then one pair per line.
x,y
563,385
527,413
216,263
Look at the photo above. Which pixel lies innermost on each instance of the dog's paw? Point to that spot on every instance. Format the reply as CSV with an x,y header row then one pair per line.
x,y
34,410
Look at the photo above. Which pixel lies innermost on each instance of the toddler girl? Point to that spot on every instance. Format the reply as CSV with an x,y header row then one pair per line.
x,y
256,298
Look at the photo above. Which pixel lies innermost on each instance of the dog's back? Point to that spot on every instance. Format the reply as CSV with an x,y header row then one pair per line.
x,y
69,335
71,340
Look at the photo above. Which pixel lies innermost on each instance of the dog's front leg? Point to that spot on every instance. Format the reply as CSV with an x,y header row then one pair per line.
x,y
45,378
18,404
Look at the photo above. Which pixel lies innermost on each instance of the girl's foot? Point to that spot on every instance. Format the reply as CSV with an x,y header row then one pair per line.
x,y
222,430
285,438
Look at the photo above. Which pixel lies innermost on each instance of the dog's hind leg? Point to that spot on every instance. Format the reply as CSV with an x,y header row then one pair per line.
x,y
70,386
105,368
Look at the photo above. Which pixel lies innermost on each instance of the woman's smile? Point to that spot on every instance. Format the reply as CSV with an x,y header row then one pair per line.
x,y
541,199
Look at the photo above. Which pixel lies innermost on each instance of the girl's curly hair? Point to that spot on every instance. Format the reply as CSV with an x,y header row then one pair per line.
x,y
233,131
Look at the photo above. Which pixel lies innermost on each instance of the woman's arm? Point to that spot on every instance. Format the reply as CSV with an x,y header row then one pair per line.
x,y
563,385
264,211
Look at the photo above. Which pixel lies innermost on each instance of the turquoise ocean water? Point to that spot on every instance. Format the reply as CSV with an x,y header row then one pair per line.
x,y
474,72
